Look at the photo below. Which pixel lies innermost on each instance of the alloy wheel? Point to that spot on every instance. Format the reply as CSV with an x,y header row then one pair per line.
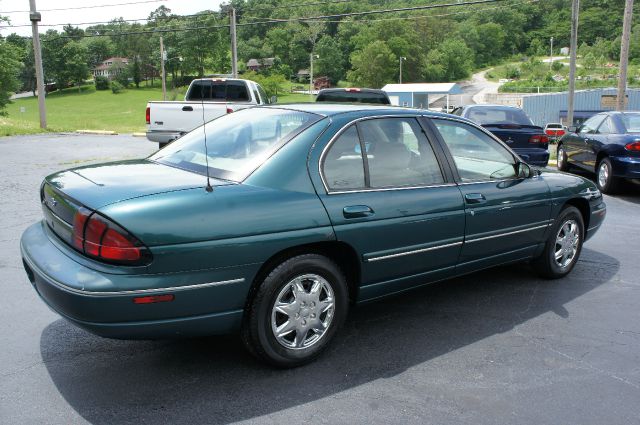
x,y
567,242
603,174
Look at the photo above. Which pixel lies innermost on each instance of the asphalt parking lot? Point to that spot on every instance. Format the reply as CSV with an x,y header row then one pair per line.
x,y
496,347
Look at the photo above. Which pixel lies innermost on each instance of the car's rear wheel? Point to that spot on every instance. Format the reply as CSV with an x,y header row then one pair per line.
x,y
563,165
605,179
563,246
296,311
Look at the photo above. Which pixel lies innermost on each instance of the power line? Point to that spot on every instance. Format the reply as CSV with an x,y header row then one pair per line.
x,y
86,7
326,18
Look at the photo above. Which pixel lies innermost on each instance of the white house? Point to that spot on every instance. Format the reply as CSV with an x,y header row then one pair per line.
x,y
110,67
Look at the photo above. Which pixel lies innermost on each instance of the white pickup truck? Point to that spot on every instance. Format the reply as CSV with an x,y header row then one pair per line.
x,y
206,99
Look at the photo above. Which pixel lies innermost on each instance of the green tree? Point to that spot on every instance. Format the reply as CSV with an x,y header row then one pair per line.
x,y
373,66
451,61
75,68
98,49
10,67
331,61
589,61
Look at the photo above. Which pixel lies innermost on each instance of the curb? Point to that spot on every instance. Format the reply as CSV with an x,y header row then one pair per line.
x,y
98,132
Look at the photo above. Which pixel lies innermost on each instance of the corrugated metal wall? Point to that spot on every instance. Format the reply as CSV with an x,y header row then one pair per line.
x,y
545,108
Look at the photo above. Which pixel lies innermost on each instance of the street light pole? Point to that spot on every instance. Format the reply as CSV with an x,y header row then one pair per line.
x,y
575,11
624,55
400,77
551,55
37,54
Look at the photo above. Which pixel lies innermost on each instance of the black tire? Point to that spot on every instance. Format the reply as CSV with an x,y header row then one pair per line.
x,y
608,184
563,165
257,332
546,264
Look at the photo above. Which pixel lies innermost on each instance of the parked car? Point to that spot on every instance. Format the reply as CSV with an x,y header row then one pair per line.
x,y
555,130
354,95
608,144
514,127
289,214
206,99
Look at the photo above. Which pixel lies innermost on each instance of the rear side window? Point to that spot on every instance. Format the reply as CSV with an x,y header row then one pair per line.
x,y
224,91
344,164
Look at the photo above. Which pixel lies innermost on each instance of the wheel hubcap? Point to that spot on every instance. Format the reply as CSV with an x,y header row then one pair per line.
x,y
567,241
303,311
560,157
603,174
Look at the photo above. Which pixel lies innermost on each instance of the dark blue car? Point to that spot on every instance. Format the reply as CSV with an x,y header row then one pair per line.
x,y
608,144
512,126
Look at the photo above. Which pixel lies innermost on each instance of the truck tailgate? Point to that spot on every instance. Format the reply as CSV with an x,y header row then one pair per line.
x,y
182,117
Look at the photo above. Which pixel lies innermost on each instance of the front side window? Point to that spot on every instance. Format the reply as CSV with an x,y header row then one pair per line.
x,y
591,125
263,94
237,143
477,156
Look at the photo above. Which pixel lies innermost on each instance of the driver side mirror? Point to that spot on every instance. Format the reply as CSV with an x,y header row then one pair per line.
x,y
524,170
273,99
573,129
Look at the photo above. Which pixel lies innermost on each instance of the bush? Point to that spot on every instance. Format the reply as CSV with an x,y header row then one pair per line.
x,y
512,72
102,83
116,87
556,66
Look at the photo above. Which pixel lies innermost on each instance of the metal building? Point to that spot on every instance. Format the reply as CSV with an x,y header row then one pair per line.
x,y
416,95
552,107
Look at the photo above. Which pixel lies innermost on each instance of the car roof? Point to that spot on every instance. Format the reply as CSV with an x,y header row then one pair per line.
x,y
330,109
352,90
491,106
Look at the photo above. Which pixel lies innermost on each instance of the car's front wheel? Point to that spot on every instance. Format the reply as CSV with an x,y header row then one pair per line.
x,y
606,181
563,165
563,245
296,311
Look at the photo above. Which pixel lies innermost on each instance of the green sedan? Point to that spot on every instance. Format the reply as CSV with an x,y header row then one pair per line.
x,y
272,221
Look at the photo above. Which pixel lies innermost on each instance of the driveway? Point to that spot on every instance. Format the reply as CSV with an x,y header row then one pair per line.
x,y
496,347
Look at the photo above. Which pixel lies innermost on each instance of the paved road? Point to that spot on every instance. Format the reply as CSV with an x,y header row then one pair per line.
x,y
473,91
501,346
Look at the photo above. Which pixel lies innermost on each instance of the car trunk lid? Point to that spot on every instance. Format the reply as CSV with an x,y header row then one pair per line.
x,y
518,136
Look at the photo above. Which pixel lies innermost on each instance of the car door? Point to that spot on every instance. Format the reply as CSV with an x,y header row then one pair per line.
x,y
578,148
595,141
506,215
389,197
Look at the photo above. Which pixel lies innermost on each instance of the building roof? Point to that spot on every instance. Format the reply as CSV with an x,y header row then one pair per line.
x,y
431,88
261,62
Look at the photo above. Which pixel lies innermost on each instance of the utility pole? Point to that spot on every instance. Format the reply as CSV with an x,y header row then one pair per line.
x,y
401,59
163,57
37,54
234,42
551,55
575,11
311,56
624,55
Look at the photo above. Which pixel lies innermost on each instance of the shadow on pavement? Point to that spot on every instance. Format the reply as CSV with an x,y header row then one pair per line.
x,y
213,380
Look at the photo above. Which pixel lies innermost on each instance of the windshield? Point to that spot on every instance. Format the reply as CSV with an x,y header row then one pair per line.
x,y
237,143
499,116
353,97
631,122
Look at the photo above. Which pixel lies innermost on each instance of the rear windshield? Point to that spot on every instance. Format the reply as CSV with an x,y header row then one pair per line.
x,y
237,143
631,122
485,116
224,91
354,97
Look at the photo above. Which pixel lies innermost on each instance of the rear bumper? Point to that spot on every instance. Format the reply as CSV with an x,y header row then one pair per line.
x,y
163,136
533,156
95,300
626,166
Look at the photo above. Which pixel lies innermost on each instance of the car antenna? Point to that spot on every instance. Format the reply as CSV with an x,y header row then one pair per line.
x,y
208,188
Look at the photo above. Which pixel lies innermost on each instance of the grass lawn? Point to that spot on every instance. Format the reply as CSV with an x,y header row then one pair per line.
x,y
70,110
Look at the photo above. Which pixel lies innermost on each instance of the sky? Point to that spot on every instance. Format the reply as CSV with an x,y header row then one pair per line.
x,y
132,11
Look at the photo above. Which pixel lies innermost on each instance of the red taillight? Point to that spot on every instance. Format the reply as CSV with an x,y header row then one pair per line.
x,y
100,238
539,138
633,146
229,110
148,115
154,299
560,133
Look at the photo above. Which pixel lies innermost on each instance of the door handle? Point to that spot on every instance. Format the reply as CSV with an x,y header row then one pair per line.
x,y
357,211
187,108
475,198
